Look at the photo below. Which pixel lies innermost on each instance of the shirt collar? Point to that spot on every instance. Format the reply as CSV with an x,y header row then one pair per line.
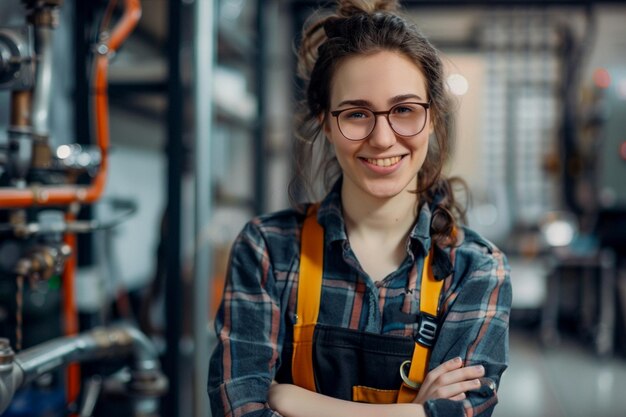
x,y
420,238
330,217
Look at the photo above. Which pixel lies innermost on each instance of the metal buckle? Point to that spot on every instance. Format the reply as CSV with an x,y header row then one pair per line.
x,y
405,378
427,330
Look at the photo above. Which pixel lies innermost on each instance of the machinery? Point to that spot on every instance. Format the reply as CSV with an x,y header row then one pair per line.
x,y
41,191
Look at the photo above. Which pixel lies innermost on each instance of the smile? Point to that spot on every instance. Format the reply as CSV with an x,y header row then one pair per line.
x,y
384,162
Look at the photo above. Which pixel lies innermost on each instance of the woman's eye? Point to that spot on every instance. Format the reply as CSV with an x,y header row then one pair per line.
x,y
403,109
356,114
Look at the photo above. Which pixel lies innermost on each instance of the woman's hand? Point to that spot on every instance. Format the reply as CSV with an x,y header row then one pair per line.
x,y
450,380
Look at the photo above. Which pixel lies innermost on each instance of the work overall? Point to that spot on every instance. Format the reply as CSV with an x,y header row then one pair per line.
x,y
351,364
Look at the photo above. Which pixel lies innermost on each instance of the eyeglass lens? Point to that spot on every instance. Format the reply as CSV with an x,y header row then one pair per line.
x,y
406,119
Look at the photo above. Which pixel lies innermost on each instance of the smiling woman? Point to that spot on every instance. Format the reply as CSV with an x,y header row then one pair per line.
x,y
376,300
376,82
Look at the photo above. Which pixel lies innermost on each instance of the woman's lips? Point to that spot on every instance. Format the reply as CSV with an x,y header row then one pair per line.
x,y
383,165
384,162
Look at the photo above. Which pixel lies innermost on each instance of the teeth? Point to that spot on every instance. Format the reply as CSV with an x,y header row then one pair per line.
x,y
384,162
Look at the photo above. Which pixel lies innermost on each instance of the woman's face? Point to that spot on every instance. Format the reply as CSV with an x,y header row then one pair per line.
x,y
384,164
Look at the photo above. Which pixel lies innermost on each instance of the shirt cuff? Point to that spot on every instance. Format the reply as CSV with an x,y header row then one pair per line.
x,y
444,408
242,397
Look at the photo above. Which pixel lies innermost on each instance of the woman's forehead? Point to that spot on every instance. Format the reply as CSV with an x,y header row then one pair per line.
x,y
377,78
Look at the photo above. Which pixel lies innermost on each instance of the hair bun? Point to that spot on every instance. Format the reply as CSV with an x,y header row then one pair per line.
x,y
321,24
347,8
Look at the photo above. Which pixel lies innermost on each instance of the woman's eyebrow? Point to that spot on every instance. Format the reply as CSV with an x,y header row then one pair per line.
x,y
358,103
392,101
404,97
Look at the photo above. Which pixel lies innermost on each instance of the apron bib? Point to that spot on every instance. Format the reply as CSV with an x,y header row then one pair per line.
x,y
349,364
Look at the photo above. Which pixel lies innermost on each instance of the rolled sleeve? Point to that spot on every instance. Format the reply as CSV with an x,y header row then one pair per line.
x,y
241,397
476,328
248,327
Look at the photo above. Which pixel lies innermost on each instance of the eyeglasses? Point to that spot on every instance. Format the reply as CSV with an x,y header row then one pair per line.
x,y
405,119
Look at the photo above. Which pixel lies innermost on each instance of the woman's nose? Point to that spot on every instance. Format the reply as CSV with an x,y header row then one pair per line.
x,y
383,135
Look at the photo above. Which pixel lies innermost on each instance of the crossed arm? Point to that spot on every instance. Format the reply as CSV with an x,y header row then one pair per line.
x,y
476,329
450,380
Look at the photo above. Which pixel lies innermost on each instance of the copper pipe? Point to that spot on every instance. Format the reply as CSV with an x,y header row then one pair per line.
x,y
20,134
20,109
70,313
64,195
42,154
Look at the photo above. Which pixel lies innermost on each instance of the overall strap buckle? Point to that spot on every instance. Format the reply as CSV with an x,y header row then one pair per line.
x,y
427,330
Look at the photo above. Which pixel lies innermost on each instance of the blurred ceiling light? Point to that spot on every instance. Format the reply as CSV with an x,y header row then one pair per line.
x,y
64,151
559,233
457,84
601,78
559,228
84,159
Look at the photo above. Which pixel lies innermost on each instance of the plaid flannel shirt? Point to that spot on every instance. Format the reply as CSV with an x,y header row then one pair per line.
x,y
259,305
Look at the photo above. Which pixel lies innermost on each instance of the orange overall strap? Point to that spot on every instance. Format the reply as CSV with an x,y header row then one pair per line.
x,y
309,293
429,303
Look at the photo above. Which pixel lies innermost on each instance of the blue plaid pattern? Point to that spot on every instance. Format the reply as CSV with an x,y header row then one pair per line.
x,y
258,306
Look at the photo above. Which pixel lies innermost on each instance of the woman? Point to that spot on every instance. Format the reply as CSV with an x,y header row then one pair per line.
x,y
375,301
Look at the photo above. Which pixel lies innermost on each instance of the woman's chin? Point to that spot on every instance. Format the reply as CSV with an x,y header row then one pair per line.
x,y
384,191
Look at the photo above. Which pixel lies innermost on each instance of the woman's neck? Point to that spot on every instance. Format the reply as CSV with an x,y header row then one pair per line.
x,y
370,217
378,228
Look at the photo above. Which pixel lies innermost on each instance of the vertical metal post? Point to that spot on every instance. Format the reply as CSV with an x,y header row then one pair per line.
x,y
260,174
81,79
205,40
173,284
83,19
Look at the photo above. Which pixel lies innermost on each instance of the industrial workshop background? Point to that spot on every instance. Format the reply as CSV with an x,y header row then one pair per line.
x,y
137,137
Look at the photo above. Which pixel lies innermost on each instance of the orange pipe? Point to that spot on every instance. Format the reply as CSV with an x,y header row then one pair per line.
x,y
64,195
132,14
70,313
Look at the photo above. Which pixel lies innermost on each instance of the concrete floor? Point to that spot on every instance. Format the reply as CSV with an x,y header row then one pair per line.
x,y
567,381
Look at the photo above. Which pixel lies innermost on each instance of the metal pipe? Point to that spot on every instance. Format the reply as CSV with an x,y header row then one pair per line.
x,y
205,32
146,355
117,340
260,134
175,157
20,109
50,196
43,83
10,376
69,310
132,14
96,344
90,397
24,230
20,133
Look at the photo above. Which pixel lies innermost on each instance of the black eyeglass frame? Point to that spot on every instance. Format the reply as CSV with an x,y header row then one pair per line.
x,y
336,113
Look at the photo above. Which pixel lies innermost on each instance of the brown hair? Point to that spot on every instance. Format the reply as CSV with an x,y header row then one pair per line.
x,y
361,27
